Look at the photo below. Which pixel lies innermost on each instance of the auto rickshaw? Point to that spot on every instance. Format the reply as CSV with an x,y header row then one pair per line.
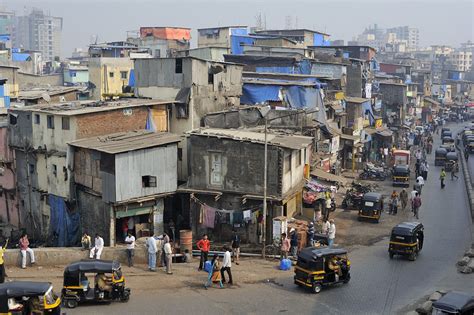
x,y
440,156
401,175
108,284
401,157
448,140
406,240
469,142
454,302
318,267
451,158
372,207
28,297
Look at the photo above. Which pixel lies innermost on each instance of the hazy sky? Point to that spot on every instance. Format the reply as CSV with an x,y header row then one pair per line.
x,y
440,22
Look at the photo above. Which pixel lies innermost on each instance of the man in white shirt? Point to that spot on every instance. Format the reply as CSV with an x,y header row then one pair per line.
x,y
325,229
412,197
152,249
168,257
130,241
331,233
226,264
98,247
421,180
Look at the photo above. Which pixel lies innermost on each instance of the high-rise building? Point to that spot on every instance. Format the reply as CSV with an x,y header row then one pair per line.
x,y
6,22
408,34
40,32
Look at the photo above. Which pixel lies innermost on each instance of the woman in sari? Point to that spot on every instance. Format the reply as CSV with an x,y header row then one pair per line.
x,y
214,275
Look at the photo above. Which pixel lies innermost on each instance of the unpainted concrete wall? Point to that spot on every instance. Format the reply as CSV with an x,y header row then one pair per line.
x,y
95,214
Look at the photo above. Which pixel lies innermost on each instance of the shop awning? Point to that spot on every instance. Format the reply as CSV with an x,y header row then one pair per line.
x,y
319,173
133,212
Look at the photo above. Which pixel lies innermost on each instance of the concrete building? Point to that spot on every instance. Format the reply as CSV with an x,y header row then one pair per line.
x,y
206,53
6,22
196,86
394,102
162,41
76,75
39,135
109,76
39,31
125,178
408,34
305,37
221,158
112,50
461,59
9,214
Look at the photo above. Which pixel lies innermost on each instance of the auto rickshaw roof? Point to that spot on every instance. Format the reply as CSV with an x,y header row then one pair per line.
x,y
17,289
372,196
452,156
441,150
401,168
455,301
445,129
311,253
401,152
92,266
406,228
448,138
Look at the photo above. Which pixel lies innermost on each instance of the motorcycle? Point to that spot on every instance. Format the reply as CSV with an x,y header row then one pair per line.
x,y
369,174
353,197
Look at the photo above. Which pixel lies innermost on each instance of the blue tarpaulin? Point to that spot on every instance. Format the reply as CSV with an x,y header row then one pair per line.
x,y
64,225
21,57
239,31
367,108
256,93
302,96
302,67
131,79
4,38
237,40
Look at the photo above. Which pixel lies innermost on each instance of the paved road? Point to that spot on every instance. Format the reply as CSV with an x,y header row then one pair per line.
x,y
378,286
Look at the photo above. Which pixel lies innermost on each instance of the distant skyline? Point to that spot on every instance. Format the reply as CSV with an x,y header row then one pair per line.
x,y
440,22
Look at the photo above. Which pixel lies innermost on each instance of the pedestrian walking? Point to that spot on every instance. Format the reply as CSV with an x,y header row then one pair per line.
x,y
214,274
168,251
412,197
310,234
285,246
204,246
130,241
226,266
25,248
327,205
466,154
236,247
403,198
331,233
454,170
2,262
96,251
393,203
294,242
442,176
86,241
152,249
418,186
416,205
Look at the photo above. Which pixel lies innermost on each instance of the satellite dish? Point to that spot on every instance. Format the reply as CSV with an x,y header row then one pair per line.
x,y
46,97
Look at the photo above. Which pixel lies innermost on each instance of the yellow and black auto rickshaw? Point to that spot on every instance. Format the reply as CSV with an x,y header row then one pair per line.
x,y
440,156
27,297
318,267
406,240
108,282
401,175
372,207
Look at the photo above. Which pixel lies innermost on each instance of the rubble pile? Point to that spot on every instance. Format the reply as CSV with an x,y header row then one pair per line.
x,y
466,263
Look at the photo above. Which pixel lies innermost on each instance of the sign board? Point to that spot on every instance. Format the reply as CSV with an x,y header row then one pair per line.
x,y
324,146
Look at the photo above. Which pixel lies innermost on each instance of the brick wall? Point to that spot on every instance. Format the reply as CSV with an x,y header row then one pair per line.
x,y
102,123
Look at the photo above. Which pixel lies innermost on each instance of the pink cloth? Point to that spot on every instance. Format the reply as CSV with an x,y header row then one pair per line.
x,y
24,243
209,216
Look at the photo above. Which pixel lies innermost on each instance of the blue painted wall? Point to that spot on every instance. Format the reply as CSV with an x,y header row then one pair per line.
x,y
237,40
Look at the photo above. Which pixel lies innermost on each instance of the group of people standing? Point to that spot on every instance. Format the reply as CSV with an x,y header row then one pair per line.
x,y
401,200
159,247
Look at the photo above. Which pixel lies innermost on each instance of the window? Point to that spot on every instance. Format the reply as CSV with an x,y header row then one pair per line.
x,y
65,173
216,169
178,65
65,123
37,119
181,110
287,163
13,119
123,75
55,170
31,168
111,74
210,78
73,74
180,154
50,120
298,158
28,117
148,181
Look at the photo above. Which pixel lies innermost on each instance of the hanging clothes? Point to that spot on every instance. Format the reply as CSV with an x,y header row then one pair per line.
x,y
209,216
247,215
238,217
201,215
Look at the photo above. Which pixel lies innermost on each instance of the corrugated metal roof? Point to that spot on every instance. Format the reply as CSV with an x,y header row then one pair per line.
x,y
37,93
126,141
356,99
295,142
86,107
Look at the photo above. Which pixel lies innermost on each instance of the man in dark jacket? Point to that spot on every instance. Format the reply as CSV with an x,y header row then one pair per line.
x,y
310,234
294,242
235,247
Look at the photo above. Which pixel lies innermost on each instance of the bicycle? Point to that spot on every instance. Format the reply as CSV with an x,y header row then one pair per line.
x,y
273,250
